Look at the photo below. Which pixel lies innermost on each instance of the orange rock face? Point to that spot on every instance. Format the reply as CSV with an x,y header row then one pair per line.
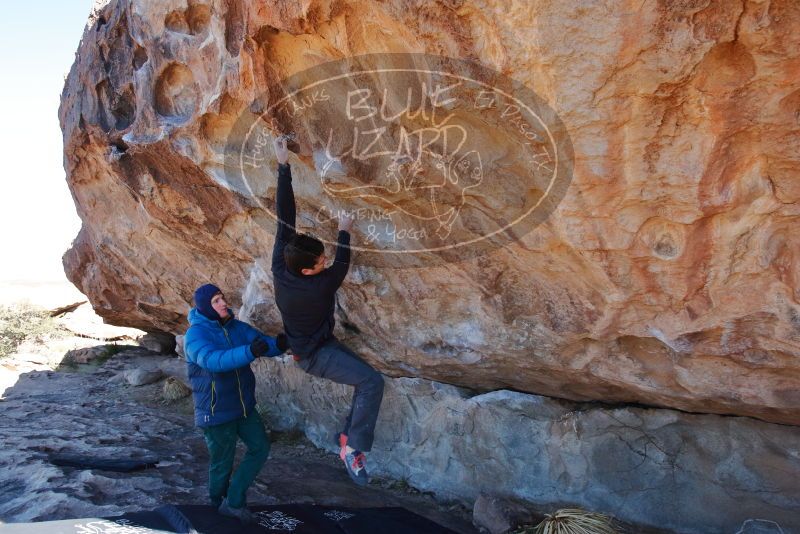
x,y
667,275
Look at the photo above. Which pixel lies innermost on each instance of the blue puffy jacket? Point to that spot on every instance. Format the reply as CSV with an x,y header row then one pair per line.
x,y
223,385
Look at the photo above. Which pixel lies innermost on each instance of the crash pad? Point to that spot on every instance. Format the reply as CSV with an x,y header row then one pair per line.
x,y
198,519
85,461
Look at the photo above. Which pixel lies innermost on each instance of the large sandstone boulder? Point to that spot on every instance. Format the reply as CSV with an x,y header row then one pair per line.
x,y
655,265
668,275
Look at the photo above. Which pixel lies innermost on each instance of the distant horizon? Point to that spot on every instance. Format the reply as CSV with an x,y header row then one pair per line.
x,y
35,202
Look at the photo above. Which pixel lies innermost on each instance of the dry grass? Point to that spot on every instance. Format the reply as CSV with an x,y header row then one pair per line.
x,y
174,389
26,322
572,521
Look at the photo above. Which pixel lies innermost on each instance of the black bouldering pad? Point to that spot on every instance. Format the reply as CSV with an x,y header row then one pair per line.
x,y
310,519
294,518
83,461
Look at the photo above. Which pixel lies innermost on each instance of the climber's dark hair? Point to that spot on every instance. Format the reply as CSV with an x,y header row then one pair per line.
x,y
302,252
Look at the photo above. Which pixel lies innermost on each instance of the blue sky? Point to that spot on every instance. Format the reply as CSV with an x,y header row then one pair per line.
x,y
38,41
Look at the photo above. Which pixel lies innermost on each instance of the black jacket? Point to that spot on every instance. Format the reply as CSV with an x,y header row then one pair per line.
x,y
306,303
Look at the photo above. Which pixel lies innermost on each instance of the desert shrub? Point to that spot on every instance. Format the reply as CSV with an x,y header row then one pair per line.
x,y
572,521
23,322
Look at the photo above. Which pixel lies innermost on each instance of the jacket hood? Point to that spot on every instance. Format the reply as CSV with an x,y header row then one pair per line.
x,y
197,318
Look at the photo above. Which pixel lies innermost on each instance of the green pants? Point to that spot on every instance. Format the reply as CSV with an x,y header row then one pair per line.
x,y
221,442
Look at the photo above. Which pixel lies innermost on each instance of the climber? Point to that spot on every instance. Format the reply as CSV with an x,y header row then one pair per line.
x,y
305,293
219,350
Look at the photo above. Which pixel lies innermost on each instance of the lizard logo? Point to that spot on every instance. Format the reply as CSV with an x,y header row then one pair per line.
x,y
435,158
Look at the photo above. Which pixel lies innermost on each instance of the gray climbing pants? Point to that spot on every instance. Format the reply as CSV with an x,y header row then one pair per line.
x,y
338,363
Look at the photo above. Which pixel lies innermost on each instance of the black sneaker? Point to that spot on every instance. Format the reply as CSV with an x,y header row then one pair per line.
x,y
242,514
356,467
